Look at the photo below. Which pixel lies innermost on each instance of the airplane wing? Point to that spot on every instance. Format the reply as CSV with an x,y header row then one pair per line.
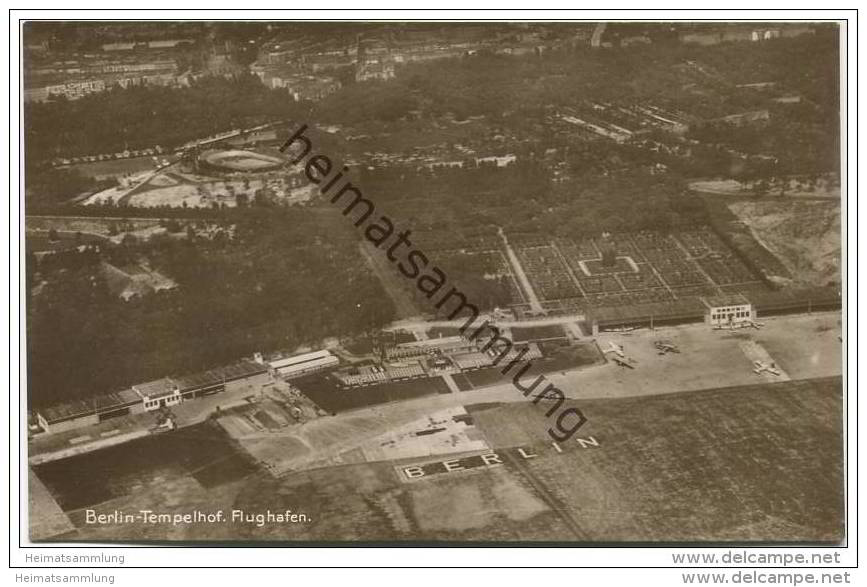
x,y
623,363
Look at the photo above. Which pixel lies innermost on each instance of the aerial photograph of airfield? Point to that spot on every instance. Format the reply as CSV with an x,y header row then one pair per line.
x,y
434,282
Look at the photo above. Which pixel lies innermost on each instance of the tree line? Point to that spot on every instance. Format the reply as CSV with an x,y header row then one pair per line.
x,y
287,278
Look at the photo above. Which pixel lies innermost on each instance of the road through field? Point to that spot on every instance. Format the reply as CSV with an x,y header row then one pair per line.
x,y
417,324
556,505
518,270
390,280
724,465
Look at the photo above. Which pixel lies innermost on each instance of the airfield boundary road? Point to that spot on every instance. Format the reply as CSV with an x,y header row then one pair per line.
x,y
744,422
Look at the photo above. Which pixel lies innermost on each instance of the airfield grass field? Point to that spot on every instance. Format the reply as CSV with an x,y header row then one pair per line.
x,y
744,459
752,463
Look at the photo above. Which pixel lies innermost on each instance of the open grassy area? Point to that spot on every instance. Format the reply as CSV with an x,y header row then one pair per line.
x,y
201,453
556,359
537,332
753,463
325,392
760,462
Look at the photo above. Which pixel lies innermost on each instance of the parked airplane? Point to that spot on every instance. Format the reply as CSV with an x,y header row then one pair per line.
x,y
616,349
665,347
621,362
756,325
765,368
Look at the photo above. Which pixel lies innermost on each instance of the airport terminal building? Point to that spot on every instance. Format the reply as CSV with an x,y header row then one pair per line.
x,y
722,311
151,396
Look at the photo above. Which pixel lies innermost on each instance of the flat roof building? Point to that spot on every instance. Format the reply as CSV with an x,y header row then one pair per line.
x,y
416,348
286,361
649,314
304,363
151,395
117,403
728,310
85,412
214,380
159,392
791,300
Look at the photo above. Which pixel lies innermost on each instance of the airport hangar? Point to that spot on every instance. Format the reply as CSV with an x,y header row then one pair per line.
x,y
150,396
726,310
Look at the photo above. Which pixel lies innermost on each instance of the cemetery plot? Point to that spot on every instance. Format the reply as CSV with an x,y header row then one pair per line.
x,y
570,275
550,277
601,284
597,266
644,279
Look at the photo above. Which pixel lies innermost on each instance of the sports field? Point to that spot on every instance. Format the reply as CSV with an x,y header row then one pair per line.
x,y
238,160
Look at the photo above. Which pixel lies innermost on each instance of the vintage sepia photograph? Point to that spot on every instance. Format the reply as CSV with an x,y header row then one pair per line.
x,y
434,282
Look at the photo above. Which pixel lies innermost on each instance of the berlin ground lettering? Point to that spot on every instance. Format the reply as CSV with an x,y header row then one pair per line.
x,y
490,459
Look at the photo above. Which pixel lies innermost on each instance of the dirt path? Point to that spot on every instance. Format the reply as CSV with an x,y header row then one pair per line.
x,y
518,271
391,282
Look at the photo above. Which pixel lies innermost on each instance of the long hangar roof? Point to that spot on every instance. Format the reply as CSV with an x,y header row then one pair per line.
x,y
658,310
218,375
733,299
85,407
305,358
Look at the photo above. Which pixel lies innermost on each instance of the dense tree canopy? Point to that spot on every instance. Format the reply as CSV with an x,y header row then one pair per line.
x,y
294,276
141,117
289,277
